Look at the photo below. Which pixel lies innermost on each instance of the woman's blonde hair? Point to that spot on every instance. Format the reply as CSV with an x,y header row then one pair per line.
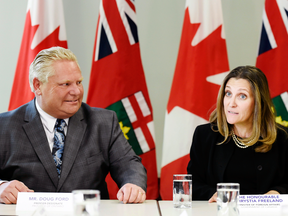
x,y
264,125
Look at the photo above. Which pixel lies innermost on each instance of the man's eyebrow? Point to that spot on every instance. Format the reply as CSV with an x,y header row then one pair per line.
x,y
65,81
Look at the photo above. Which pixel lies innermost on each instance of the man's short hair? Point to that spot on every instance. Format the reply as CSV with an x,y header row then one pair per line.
x,y
41,68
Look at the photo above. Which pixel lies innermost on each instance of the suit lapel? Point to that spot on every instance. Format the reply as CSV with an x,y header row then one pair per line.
x,y
36,134
74,137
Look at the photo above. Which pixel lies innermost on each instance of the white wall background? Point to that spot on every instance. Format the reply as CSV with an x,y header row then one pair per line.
x,y
159,29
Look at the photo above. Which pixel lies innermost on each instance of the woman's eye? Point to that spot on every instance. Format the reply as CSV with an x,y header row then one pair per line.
x,y
243,96
228,93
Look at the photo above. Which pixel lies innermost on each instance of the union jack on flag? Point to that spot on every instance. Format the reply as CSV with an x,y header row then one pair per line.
x,y
105,42
273,52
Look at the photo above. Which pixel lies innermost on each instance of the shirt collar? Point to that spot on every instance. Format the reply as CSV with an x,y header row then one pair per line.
x,y
47,120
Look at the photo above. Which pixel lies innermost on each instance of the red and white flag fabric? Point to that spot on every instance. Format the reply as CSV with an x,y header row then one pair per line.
x,y
44,28
201,66
117,82
273,52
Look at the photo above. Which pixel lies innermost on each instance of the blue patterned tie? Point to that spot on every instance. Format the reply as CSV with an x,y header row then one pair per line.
x,y
58,147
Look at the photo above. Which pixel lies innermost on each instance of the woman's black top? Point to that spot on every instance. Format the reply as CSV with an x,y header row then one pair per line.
x,y
257,173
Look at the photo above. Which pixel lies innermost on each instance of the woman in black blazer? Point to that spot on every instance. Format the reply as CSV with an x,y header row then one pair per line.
x,y
242,143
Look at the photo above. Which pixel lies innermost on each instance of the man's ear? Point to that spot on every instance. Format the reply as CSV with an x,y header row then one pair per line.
x,y
37,86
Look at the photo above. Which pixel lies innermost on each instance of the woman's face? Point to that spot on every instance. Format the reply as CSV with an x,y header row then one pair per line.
x,y
239,102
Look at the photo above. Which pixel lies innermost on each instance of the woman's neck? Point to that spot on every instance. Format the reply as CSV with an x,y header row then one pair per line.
x,y
243,132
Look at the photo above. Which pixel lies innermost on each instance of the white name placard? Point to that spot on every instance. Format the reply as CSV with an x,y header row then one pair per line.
x,y
269,201
60,202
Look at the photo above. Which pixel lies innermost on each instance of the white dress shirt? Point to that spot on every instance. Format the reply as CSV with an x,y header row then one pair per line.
x,y
48,122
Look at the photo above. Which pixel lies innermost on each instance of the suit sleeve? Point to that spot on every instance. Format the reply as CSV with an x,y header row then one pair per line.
x,y
198,164
125,165
281,144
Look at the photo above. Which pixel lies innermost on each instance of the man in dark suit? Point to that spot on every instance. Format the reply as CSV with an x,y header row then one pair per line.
x,y
94,144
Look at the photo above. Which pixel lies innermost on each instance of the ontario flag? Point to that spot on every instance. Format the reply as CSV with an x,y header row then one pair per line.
x,y
273,52
44,28
201,66
117,82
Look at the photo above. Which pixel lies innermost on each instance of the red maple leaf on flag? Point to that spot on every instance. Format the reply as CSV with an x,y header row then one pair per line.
x,y
202,56
21,92
194,65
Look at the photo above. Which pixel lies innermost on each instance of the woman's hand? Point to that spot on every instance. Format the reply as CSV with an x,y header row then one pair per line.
x,y
213,198
272,192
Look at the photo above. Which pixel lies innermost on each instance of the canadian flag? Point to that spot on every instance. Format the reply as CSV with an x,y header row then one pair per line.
x,y
272,56
44,28
117,82
201,66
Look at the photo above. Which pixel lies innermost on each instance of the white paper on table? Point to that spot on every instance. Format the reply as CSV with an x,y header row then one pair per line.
x,y
50,202
268,201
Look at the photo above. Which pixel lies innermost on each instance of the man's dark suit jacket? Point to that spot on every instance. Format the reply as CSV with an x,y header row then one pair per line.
x,y
94,146
208,163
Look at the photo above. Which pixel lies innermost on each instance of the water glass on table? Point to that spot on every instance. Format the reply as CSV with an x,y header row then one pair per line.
x,y
227,199
182,191
86,202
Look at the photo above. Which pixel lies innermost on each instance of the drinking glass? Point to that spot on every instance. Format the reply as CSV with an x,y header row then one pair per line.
x,y
182,191
86,202
227,199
